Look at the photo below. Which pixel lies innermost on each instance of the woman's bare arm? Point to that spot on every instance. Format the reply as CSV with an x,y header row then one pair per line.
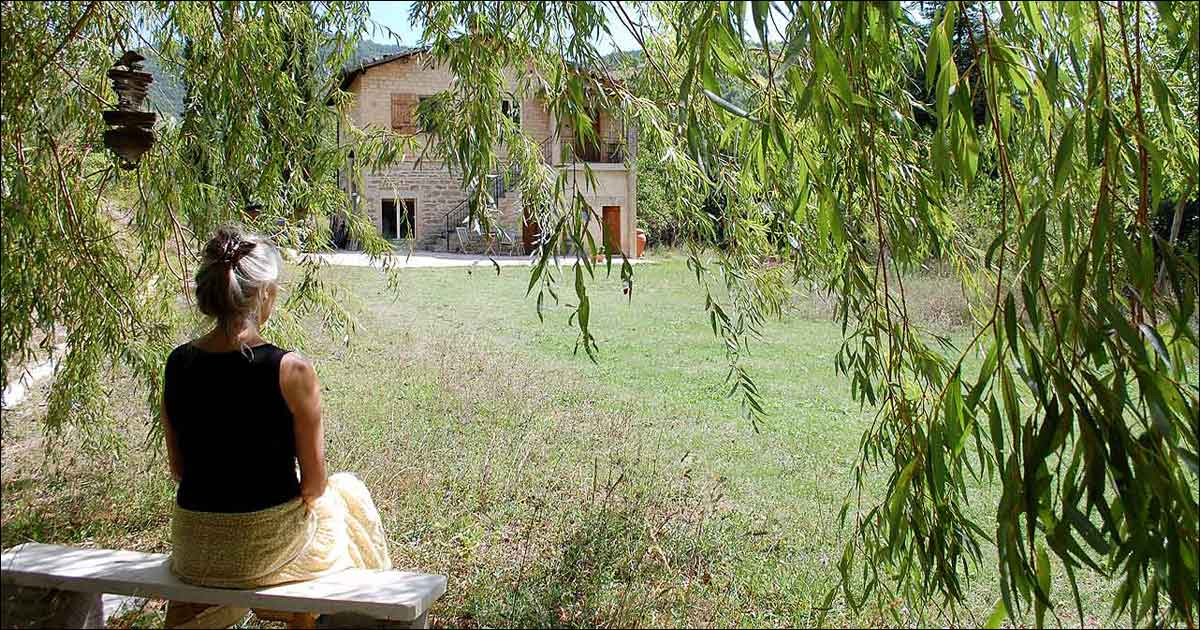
x,y
298,381
174,460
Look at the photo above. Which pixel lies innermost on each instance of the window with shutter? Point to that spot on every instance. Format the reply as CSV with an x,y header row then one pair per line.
x,y
403,112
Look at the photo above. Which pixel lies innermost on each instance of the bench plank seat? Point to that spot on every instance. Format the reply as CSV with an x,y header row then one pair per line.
x,y
390,595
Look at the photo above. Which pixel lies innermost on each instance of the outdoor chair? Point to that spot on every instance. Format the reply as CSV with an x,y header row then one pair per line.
x,y
507,241
462,235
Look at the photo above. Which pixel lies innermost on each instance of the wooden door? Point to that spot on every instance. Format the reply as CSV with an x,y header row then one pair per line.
x,y
531,232
612,229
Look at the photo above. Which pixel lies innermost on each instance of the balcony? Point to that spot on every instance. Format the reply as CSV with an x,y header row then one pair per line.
x,y
593,152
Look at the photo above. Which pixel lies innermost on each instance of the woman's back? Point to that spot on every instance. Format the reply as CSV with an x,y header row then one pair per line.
x,y
233,428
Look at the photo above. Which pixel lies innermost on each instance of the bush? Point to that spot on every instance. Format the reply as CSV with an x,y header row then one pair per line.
x,y
660,212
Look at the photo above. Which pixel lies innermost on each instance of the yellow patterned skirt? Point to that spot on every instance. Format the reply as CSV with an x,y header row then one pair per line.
x,y
286,543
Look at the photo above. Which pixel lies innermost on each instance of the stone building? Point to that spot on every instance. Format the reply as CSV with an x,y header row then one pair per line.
x,y
423,203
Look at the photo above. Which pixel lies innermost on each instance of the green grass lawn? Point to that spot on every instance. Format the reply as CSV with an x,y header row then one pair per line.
x,y
552,491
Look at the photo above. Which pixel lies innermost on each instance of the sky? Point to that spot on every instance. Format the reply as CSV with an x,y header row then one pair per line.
x,y
394,15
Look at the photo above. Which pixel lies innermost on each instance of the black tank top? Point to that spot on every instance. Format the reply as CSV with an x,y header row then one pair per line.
x,y
233,428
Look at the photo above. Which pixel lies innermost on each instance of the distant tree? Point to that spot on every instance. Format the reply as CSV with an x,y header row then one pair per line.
x,y
966,36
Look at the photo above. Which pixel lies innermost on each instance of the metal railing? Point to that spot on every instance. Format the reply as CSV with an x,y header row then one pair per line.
x,y
594,152
499,184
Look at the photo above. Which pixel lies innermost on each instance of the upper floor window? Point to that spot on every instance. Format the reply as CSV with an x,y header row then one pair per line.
x,y
511,110
404,108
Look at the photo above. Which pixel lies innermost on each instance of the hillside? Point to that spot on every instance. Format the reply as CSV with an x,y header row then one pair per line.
x,y
166,94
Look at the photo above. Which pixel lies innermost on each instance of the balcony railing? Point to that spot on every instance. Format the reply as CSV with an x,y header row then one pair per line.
x,y
594,152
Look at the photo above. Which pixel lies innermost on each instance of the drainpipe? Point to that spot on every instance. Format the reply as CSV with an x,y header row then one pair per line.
x,y
631,186
555,141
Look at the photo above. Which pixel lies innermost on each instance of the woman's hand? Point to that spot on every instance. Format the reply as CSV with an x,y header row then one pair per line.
x,y
302,391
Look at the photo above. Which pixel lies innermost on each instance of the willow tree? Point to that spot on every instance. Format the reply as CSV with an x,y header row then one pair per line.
x,y
96,256
800,117
799,122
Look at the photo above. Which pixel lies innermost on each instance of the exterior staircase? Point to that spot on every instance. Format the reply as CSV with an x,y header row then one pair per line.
x,y
499,185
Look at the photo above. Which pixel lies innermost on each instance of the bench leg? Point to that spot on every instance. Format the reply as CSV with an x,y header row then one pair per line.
x,y
187,615
292,619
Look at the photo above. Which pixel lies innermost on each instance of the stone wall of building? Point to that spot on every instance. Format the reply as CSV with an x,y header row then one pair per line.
x,y
414,77
436,191
613,186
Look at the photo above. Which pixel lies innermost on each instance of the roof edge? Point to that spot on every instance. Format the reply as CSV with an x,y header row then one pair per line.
x,y
349,75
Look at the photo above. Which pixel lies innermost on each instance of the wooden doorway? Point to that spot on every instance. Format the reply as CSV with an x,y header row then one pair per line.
x,y
389,226
612,229
398,220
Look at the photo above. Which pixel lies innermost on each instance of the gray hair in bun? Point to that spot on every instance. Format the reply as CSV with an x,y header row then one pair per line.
x,y
235,274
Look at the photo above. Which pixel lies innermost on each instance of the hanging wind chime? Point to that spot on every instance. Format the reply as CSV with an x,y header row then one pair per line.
x,y
130,132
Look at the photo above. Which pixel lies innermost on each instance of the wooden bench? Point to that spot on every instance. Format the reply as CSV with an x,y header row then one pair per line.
x,y
361,598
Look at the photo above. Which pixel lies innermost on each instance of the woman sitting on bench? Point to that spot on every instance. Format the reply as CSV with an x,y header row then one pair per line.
x,y
238,413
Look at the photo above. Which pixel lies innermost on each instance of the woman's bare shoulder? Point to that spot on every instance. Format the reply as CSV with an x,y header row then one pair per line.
x,y
295,370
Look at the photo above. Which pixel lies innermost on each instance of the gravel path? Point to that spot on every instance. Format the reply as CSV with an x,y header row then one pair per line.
x,y
425,260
